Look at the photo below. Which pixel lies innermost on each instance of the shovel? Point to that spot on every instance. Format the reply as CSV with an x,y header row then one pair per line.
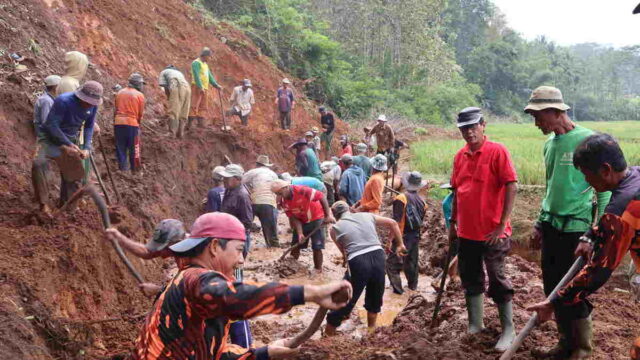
x,y
577,266
224,119
299,243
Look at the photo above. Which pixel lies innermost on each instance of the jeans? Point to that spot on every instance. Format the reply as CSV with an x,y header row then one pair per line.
x,y
125,146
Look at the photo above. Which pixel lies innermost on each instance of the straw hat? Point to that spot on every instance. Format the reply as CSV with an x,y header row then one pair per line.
x,y
545,97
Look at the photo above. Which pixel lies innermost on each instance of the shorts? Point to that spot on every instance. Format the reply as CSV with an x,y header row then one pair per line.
x,y
317,239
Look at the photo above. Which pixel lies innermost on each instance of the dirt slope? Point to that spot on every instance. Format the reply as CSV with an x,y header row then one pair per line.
x,y
58,279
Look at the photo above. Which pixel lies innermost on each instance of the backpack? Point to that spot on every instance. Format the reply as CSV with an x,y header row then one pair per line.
x,y
414,216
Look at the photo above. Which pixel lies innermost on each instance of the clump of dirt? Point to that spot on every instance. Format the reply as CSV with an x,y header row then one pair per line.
x,y
279,269
434,242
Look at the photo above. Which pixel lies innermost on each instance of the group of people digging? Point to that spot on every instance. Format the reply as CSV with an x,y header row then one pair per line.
x,y
580,165
191,316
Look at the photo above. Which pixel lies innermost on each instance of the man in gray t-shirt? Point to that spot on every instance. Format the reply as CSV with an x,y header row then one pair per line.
x,y
356,236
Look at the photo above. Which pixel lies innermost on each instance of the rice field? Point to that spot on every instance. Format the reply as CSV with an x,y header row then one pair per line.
x,y
434,157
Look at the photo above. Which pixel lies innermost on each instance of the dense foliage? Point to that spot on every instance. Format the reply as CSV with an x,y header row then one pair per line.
x,y
427,59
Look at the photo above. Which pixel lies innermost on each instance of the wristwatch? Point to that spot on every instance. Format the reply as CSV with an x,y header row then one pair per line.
x,y
586,239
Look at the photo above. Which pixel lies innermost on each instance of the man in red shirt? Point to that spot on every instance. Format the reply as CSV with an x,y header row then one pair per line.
x,y
307,210
485,185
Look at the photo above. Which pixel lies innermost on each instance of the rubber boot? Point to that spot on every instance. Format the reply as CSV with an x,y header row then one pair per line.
x,y
582,336
475,310
562,349
505,310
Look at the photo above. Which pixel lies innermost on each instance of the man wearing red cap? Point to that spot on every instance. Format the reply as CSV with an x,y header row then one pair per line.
x,y
204,290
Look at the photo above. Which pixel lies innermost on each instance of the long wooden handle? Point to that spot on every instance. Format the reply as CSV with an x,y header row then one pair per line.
x,y
310,330
577,266
299,243
102,186
443,282
224,119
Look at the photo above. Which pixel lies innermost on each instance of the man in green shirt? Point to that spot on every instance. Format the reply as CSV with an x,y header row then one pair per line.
x,y
201,78
566,214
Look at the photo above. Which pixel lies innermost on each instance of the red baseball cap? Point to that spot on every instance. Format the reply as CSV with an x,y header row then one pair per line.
x,y
212,225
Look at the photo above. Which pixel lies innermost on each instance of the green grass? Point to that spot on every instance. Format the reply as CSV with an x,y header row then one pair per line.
x,y
524,141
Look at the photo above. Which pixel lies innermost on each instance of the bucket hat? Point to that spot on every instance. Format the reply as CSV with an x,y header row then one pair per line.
x,y
412,181
379,162
382,117
90,92
264,160
545,97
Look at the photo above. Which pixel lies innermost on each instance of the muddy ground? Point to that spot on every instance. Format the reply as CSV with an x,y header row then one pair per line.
x,y
405,330
64,294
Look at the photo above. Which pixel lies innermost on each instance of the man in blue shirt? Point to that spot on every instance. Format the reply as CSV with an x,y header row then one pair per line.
x,y
69,113
352,181
215,195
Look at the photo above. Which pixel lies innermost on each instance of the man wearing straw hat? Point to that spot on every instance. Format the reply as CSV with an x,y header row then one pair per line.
x,y
566,214
258,182
485,186
409,209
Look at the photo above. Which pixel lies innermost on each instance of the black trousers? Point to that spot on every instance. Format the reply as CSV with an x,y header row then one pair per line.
x,y
557,258
408,264
267,215
367,271
472,255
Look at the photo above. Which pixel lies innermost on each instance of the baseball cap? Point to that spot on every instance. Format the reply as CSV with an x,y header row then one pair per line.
x,y
339,207
52,80
308,133
211,225
346,158
216,172
232,170
167,232
90,92
361,147
469,116
246,82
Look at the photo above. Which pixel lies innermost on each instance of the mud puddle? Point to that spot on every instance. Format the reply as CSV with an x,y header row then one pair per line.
x,y
263,265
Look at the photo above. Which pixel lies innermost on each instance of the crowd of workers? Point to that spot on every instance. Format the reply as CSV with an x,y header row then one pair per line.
x,y
191,314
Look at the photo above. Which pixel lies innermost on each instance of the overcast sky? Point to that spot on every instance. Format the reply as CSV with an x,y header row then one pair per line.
x,y
575,21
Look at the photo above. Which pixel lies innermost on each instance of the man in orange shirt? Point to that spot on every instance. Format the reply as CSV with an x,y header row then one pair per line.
x,y
129,105
372,197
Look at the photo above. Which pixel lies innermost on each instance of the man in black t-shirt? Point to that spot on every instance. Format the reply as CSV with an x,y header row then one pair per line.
x,y
328,125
